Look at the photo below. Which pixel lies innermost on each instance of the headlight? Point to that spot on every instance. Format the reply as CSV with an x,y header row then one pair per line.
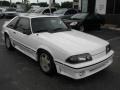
x,y
73,23
79,58
108,48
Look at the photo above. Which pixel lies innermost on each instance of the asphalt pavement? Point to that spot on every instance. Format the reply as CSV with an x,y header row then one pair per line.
x,y
19,72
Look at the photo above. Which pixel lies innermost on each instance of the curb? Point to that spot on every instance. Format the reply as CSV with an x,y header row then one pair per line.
x,y
111,27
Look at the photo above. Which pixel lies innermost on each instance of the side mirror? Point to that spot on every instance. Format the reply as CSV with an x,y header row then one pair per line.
x,y
27,31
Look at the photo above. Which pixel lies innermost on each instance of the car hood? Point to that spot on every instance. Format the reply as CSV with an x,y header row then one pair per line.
x,y
75,42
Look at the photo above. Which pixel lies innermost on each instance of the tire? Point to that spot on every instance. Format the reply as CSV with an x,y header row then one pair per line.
x,y
8,43
82,28
46,63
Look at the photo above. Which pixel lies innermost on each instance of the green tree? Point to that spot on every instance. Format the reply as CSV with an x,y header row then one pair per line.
x,y
4,3
57,5
26,1
43,4
18,3
33,4
27,5
67,4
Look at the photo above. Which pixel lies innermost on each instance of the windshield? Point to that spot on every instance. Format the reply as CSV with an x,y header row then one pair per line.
x,y
10,9
48,24
39,10
79,16
61,11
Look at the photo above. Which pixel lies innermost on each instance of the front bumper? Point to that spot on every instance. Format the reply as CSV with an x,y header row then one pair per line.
x,y
82,72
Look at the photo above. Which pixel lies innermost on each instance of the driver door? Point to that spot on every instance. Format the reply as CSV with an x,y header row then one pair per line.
x,y
23,36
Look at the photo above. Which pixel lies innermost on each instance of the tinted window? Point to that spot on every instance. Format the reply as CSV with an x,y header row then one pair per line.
x,y
53,10
23,25
13,23
46,11
70,12
47,24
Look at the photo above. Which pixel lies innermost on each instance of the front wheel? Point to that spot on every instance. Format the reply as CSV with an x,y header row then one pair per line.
x,y
82,28
46,63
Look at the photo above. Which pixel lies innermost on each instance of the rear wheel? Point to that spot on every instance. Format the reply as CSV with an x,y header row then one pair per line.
x,y
8,43
46,63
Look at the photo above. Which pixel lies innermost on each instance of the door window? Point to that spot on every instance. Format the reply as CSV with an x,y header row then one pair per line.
x,y
23,26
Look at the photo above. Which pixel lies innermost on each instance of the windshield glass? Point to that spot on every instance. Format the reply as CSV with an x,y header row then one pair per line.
x,y
79,16
61,11
48,24
10,9
39,10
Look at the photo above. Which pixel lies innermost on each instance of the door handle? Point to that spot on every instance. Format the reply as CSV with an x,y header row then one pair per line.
x,y
14,32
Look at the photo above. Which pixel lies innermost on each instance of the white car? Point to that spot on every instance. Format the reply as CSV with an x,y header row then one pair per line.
x,y
10,12
42,10
57,48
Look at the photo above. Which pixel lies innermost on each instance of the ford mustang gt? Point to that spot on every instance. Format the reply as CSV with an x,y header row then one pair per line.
x,y
57,48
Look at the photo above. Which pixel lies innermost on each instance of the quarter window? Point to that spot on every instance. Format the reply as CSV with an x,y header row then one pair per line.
x,y
13,23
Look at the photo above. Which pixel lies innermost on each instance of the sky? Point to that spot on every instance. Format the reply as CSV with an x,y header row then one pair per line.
x,y
34,1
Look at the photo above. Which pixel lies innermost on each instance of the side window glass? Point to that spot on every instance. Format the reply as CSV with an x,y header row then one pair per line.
x,y
13,23
53,10
70,12
67,13
73,11
23,26
47,11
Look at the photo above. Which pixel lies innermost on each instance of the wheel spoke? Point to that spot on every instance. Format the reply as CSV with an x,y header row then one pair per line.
x,y
45,62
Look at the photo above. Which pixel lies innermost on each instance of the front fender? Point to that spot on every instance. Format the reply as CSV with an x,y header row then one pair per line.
x,y
47,49
57,53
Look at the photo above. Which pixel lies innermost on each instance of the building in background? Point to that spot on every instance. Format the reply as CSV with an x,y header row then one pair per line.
x,y
109,8
98,6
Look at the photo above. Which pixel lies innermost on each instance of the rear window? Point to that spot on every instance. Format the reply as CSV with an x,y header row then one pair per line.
x,y
61,11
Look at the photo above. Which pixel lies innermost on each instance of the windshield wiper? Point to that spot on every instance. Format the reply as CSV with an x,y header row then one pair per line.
x,y
61,29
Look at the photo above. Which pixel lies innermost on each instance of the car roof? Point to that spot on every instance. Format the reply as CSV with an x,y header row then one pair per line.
x,y
28,15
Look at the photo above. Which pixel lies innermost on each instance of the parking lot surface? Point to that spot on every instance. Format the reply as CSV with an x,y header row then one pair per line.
x,y
19,72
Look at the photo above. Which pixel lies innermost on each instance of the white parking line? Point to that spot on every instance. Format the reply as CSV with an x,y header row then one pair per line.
x,y
113,39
